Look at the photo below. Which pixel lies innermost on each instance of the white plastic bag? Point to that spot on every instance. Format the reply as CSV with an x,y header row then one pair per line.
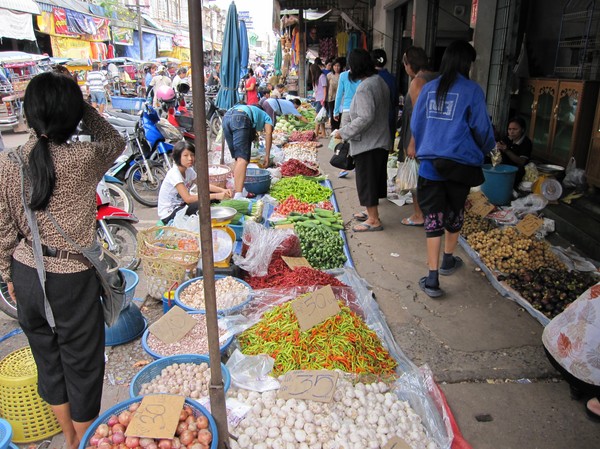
x,y
186,222
574,177
321,116
408,173
251,372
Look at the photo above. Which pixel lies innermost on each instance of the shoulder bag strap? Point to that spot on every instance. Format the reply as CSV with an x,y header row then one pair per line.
x,y
37,243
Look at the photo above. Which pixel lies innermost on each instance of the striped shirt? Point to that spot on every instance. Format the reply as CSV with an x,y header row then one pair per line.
x,y
96,81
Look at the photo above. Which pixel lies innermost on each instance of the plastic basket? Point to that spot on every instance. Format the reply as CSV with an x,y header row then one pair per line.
x,y
126,104
20,404
257,175
131,282
228,311
222,349
164,264
154,369
6,433
219,180
197,409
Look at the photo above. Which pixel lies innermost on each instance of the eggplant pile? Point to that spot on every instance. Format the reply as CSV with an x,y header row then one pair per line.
x,y
549,291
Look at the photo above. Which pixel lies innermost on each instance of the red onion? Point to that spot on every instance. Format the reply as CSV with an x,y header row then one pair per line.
x,y
118,437
112,420
102,430
190,419
145,442
182,426
152,445
103,440
118,428
196,445
175,443
183,415
186,437
204,436
105,445
133,407
95,439
202,422
132,442
192,427
125,418
165,444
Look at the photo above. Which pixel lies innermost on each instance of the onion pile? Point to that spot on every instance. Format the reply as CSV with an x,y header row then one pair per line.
x,y
187,379
192,433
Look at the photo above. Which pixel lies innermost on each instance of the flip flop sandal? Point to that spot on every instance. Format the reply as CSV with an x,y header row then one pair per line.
x,y
409,222
591,415
458,262
360,216
364,227
430,291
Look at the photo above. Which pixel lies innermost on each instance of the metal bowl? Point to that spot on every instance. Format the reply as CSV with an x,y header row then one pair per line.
x,y
221,213
550,169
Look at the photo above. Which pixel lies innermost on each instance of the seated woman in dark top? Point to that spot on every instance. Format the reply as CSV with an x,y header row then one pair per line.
x,y
516,147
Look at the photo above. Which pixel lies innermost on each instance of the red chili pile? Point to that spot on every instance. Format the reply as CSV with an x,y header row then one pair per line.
x,y
302,136
280,275
291,204
293,167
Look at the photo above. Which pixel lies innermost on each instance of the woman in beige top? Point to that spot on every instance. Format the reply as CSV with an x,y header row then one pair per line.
x,y
333,78
67,342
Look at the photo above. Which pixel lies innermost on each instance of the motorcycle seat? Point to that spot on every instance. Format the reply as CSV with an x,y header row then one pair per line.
x,y
121,122
129,130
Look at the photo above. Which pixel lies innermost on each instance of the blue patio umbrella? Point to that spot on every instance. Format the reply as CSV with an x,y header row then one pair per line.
x,y
230,61
277,61
244,50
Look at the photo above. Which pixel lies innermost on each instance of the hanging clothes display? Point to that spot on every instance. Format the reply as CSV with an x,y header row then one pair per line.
x,y
342,42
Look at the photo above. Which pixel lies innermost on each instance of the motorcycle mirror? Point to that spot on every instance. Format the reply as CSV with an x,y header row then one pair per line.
x,y
183,88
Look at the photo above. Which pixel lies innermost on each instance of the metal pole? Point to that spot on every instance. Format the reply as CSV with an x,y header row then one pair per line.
x,y
217,388
140,32
302,59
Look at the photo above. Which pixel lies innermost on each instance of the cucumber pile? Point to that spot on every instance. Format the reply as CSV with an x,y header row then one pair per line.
x,y
326,219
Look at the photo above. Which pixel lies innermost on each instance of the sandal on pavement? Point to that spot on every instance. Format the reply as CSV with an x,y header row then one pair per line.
x,y
360,216
448,271
591,415
409,222
432,292
365,227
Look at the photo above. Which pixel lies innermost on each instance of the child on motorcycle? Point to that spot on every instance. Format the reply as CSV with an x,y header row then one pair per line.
x,y
175,193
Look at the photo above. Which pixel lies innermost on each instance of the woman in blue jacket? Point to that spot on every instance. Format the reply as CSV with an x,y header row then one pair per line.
x,y
452,133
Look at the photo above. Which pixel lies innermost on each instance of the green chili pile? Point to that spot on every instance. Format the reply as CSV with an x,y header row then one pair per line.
x,y
341,342
301,188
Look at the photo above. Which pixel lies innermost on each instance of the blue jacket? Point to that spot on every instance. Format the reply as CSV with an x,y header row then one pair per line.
x,y
461,131
345,93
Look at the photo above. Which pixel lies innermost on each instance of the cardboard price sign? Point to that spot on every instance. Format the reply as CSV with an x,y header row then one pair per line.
x,y
173,325
396,443
529,225
157,417
312,385
480,204
315,307
294,262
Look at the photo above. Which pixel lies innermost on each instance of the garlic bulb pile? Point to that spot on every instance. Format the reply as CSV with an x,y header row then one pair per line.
x,y
360,416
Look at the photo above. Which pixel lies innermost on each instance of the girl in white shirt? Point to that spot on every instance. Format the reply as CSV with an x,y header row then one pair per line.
x,y
175,189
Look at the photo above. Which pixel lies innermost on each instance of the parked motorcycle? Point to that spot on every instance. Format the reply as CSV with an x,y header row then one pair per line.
x,y
134,167
115,232
157,137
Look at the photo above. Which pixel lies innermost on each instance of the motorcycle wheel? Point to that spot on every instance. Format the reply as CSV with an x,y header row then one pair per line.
x,y
144,191
120,197
124,235
215,124
7,305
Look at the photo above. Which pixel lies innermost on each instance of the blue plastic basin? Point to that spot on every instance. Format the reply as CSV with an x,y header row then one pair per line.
x,y
498,184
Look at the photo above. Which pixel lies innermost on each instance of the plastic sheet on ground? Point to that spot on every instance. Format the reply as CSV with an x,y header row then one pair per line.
x,y
411,385
502,287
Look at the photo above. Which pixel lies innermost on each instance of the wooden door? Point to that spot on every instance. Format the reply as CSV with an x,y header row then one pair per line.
x,y
544,103
566,117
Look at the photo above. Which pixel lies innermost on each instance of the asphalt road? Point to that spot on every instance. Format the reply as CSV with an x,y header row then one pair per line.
x,y
484,350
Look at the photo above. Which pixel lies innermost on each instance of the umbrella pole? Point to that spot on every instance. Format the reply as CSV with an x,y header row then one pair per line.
x,y
217,389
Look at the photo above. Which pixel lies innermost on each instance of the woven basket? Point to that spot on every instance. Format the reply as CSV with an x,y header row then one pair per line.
x,y
219,180
165,260
20,404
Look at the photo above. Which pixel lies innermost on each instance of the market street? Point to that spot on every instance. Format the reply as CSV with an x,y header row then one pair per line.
x,y
484,350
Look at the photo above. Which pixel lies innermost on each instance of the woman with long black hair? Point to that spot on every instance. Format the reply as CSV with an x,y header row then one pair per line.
x,y
60,178
452,133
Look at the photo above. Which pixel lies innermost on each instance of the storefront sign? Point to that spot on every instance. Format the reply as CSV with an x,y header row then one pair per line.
x,y
122,36
45,22
102,31
60,23
164,43
66,47
80,23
